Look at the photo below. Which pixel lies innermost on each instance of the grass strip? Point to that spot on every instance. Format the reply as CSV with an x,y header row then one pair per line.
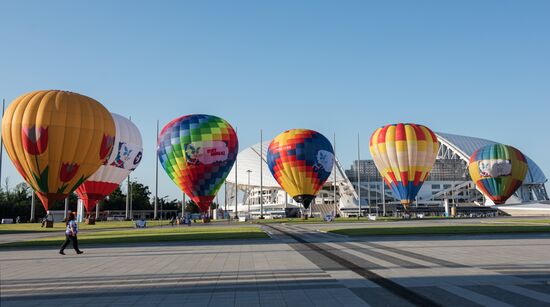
x,y
150,235
441,230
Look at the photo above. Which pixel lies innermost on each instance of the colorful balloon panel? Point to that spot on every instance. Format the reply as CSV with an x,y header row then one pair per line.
x,y
404,155
301,161
197,152
498,171
125,157
56,140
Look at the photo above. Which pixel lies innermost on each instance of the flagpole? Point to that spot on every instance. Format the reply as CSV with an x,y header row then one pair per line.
x,y
261,175
334,170
359,175
127,198
2,140
182,204
236,190
156,176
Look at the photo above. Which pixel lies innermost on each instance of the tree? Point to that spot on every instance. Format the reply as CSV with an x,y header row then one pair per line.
x,y
191,207
140,196
16,202
115,201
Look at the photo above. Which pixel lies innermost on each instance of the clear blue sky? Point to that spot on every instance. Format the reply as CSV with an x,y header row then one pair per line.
x,y
478,68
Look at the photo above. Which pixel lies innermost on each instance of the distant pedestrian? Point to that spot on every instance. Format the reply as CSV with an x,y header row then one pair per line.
x,y
172,220
17,220
71,235
44,220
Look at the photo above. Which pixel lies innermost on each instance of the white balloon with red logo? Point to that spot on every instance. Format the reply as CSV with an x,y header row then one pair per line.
x,y
125,157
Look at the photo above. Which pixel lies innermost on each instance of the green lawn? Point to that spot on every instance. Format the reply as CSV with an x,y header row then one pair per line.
x,y
151,235
59,226
442,230
337,220
541,221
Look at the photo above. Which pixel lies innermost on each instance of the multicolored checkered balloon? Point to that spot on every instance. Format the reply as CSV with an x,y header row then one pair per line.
x,y
197,152
404,155
301,161
498,171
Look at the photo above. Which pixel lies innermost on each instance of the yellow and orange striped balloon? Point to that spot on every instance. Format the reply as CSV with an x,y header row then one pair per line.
x,y
404,155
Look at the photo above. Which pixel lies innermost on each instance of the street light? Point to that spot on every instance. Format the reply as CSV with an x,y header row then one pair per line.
x,y
248,200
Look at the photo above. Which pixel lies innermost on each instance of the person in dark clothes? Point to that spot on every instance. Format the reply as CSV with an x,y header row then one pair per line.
x,y
71,235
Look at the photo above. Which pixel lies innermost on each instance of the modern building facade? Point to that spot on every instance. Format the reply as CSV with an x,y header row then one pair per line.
x,y
257,191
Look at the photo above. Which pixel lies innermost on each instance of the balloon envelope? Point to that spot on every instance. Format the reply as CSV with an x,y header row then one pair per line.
x,y
197,152
56,140
498,171
301,161
404,155
125,157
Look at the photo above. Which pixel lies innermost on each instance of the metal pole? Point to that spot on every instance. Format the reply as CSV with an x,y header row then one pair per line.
x,y
2,141
182,204
236,188
33,205
66,207
156,178
127,215
261,176
368,185
224,198
248,196
359,174
97,211
383,198
131,192
334,170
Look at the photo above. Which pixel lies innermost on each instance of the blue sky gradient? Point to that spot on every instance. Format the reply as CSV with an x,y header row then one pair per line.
x,y
477,68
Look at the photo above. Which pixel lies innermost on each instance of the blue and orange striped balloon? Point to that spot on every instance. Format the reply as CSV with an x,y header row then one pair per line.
x,y
498,171
404,155
301,161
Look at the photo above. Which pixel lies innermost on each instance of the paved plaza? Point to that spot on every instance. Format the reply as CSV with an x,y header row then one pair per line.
x,y
297,266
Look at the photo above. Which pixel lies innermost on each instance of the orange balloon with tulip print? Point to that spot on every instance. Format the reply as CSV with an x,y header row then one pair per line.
x,y
56,140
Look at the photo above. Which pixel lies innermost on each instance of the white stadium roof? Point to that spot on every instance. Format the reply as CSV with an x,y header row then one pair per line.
x,y
249,159
466,146
463,146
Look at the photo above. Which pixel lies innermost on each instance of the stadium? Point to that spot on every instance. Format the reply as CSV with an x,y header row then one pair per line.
x,y
449,185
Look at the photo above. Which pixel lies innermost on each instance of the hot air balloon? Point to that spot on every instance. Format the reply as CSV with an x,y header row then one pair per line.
x,y
498,171
404,155
56,140
125,157
301,161
197,152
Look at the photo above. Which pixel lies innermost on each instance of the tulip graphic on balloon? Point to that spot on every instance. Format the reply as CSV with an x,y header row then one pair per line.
x,y
35,141
56,140
197,152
